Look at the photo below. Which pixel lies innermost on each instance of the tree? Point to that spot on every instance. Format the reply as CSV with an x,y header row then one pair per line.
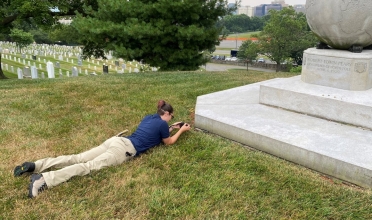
x,y
171,34
21,38
283,35
66,34
248,50
257,23
237,23
40,36
307,40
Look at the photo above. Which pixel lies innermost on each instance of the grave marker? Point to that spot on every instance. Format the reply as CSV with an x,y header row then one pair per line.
x,y
20,73
105,69
26,72
50,69
34,72
74,72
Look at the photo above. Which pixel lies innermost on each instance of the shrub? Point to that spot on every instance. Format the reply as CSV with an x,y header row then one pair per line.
x,y
296,69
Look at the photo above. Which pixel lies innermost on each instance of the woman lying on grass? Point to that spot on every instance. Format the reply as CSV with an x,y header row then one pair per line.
x,y
152,130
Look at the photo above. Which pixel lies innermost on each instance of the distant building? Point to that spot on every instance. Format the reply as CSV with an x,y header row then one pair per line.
x,y
264,9
248,10
280,2
277,7
300,8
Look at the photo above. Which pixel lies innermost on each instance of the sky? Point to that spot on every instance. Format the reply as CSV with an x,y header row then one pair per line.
x,y
259,2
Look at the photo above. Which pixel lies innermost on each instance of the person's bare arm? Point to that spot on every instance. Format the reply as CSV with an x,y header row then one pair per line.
x,y
174,138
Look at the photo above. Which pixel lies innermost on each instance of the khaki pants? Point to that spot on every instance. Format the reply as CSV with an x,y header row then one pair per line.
x,y
113,151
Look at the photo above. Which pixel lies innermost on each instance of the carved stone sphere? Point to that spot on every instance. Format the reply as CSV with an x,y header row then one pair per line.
x,y
341,23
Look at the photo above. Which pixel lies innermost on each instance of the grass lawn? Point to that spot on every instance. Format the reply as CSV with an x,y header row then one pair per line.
x,y
202,176
242,36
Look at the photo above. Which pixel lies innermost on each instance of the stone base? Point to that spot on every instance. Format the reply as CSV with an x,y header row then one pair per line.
x,y
338,69
349,107
336,149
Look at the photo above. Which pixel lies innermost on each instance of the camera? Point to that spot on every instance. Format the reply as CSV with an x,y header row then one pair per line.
x,y
180,124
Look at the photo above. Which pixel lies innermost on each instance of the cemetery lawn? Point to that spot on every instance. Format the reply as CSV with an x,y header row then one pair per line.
x,y
202,176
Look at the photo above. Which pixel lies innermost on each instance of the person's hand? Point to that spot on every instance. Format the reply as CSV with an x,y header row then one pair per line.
x,y
185,127
177,125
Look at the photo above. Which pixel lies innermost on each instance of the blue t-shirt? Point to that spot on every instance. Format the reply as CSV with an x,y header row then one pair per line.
x,y
150,132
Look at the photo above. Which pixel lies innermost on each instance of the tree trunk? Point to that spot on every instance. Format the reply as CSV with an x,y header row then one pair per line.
x,y
277,66
2,76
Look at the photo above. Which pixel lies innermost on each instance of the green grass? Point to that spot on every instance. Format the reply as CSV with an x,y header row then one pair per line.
x,y
202,176
245,35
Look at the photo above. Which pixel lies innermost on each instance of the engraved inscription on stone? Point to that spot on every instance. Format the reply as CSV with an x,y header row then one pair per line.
x,y
360,67
328,65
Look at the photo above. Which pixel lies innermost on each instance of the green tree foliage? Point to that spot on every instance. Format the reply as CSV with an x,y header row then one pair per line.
x,y
40,36
242,23
65,34
286,34
21,38
248,50
307,40
171,34
237,23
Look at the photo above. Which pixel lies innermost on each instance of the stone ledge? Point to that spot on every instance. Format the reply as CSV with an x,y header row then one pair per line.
x,y
328,147
350,107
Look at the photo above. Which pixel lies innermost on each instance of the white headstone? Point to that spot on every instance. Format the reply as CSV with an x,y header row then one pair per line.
x,y
20,73
50,69
74,71
34,72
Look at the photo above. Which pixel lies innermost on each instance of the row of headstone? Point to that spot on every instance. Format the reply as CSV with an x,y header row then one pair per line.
x,y
50,52
41,50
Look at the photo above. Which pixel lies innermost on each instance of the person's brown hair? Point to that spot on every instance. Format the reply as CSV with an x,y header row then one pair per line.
x,y
164,107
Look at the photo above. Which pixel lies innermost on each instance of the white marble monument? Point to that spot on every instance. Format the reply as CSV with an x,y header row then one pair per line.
x,y
321,119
